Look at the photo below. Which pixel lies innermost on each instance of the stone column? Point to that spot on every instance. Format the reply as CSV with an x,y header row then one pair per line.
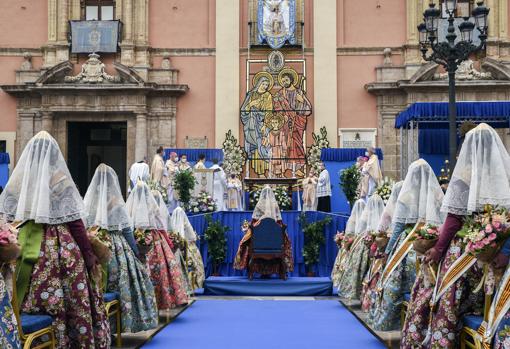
x,y
227,70
25,131
325,68
141,136
47,121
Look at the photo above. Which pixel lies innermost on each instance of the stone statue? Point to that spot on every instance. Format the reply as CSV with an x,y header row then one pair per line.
x,y
165,63
27,63
387,56
93,72
466,71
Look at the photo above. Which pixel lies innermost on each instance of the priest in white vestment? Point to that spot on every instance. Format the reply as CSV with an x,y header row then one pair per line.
x,y
158,169
219,185
372,175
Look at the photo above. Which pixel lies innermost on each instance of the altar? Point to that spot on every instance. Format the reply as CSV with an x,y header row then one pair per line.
x,y
234,221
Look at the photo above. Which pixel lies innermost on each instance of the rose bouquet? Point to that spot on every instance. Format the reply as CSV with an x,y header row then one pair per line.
x,y
101,244
344,241
9,248
144,240
384,190
369,239
203,203
485,233
425,238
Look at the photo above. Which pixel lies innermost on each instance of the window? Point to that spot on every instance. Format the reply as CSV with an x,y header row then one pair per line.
x,y
464,8
99,10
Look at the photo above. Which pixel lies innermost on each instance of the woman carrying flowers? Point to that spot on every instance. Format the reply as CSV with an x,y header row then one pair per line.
x,y
150,226
55,269
357,262
419,201
126,275
481,177
352,230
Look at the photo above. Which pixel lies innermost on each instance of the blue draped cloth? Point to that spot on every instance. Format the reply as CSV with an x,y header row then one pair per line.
x,y
346,154
4,158
438,111
192,154
234,220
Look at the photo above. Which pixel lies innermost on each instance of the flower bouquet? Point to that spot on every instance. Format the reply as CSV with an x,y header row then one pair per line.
x,y
144,240
425,238
202,203
101,244
369,239
485,233
381,240
280,193
9,247
384,190
178,241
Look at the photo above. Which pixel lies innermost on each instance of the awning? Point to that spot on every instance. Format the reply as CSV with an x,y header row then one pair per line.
x,y
345,154
491,112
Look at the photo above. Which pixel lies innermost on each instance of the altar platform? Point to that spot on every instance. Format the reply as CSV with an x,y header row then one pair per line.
x,y
293,287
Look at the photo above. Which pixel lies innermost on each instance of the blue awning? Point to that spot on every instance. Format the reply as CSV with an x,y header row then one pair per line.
x,y
491,112
346,154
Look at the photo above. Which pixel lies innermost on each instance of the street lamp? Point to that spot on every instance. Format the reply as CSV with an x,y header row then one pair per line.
x,y
450,54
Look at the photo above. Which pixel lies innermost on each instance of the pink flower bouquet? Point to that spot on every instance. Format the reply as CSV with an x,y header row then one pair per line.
x,y
425,238
9,248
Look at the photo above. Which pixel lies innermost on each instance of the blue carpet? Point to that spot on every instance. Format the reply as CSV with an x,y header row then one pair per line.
x,y
250,324
242,286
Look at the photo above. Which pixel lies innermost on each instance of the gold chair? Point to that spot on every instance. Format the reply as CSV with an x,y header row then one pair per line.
x,y
32,327
112,307
405,306
469,336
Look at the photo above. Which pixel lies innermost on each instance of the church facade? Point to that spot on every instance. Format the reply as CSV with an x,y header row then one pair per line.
x,y
183,73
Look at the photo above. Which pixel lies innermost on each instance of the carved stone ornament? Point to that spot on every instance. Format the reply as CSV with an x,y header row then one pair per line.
x,y
387,56
92,72
195,143
165,63
466,71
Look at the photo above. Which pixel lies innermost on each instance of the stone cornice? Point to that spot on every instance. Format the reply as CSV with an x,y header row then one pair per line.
x,y
380,88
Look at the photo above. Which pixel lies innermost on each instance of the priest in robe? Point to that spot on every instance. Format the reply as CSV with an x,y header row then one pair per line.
x,y
158,169
371,174
219,185
200,165
171,168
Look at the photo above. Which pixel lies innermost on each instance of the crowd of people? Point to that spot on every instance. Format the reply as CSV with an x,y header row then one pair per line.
x,y
67,252
442,250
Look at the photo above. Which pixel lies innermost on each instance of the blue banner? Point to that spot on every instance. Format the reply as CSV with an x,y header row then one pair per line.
x,y
94,36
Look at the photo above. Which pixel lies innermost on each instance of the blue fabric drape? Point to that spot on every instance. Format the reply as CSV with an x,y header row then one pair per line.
x,y
4,158
433,140
193,154
345,154
234,220
438,111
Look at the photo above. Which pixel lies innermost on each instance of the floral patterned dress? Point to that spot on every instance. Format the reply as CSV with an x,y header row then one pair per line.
x,y
60,286
196,265
9,337
166,275
386,305
129,277
357,265
458,300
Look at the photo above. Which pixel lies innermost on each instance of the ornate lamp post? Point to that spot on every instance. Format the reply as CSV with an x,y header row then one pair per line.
x,y
450,54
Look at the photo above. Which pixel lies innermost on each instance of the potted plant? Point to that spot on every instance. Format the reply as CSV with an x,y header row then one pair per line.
x,y
314,240
184,183
215,235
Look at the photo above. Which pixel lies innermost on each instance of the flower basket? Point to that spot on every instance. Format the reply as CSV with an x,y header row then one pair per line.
x,y
381,241
421,246
487,255
101,250
9,252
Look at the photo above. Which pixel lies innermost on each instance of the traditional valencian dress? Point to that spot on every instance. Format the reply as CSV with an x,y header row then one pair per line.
x,y
53,271
180,224
165,273
353,229
377,262
126,275
310,193
9,337
481,176
234,194
419,200
358,261
267,207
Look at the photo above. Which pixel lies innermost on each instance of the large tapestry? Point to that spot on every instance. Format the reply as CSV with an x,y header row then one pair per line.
x,y
276,22
274,116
